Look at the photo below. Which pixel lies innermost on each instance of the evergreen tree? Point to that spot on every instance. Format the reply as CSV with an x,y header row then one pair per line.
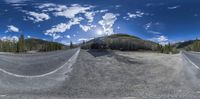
x,y
21,44
71,44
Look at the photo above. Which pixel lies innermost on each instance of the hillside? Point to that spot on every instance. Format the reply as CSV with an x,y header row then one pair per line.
x,y
185,44
42,45
191,45
120,42
31,44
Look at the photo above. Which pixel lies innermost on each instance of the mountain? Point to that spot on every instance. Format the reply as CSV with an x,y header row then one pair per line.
x,y
188,45
120,42
184,44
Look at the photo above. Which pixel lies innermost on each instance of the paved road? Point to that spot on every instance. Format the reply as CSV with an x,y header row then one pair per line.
x,y
193,58
34,64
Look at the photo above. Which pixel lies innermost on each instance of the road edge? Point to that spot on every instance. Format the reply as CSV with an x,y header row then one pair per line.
x,y
70,61
190,61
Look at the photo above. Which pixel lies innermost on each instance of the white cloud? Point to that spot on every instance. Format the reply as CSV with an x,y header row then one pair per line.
x,y
37,17
102,11
90,16
62,27
56,36
148,25
153,28
130,15
75,13
68,36
9,38
174,7
72,11
12,28
15,1
154,4
107,23
161,40
69,11
86,28
154,32
45,5
48,7
84,39
137,14
117,6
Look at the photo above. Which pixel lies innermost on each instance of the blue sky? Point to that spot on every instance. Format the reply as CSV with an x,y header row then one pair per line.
x,y
63,21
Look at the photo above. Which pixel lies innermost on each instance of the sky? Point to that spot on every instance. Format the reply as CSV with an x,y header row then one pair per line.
x,y
161,21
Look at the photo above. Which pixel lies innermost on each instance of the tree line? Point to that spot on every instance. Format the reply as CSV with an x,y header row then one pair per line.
x,y
23,45
167,49
195,46
12,45
129,45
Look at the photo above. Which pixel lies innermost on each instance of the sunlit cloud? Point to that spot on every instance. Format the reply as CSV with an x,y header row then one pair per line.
x,y
174,7
37,17
107,23
15,1
137,14
12,28
161,39
9,38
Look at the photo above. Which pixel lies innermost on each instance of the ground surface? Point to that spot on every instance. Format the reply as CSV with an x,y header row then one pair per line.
x,y
112,74
34,64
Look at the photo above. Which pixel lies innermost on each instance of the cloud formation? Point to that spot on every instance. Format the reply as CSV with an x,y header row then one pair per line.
x,y
75,13
9,38
174,7
163,40
37,17
84,39
107,23
62,27
137,14
153,28
72,11
15,1
12,28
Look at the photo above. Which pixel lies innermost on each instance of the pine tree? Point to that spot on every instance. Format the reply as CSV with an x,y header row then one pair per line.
x,y
71,44
21,44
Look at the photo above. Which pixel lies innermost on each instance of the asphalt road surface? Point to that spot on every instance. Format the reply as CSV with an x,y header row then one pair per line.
x,y
193,58
104,75
34,64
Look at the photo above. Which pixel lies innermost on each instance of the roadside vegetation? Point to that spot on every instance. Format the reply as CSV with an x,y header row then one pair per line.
x,y
191,45
32,44
195,46
124,42
121,42
167,49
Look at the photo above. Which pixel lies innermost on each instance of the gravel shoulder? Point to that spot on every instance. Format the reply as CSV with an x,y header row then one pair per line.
x,y
127,74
